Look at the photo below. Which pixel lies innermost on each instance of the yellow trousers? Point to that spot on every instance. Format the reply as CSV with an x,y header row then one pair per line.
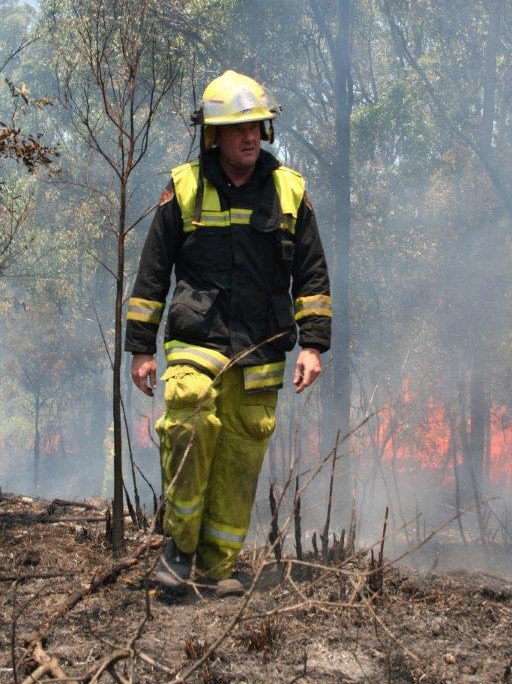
x,y
213,438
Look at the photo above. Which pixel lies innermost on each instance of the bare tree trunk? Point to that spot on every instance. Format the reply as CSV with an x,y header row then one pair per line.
x,y
342,384
37,439
479,408
478,418
117,506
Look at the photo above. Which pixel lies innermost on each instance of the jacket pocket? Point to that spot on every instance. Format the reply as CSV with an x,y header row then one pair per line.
x,y
285,254
190,312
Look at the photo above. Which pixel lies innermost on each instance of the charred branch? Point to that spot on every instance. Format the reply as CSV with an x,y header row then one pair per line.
x,y
274,534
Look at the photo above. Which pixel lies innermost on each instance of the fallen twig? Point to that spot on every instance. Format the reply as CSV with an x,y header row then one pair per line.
x,y
121,653
100,580
47,664
76,504
37,575
9,518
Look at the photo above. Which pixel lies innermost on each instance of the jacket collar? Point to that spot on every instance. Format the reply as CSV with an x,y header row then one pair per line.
x,y
212,170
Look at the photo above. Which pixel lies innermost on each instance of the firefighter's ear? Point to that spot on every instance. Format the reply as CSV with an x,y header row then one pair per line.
x,y
270,133
267,131
210,136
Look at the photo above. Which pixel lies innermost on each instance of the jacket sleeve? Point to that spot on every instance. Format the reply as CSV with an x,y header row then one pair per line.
x,y
311,288
147,302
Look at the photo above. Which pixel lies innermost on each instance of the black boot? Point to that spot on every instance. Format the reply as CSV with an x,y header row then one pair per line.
x,y
174,566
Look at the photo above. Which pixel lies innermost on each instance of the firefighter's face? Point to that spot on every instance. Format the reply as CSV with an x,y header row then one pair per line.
x,y
239,144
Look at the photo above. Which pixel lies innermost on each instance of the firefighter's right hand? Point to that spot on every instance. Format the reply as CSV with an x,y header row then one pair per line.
x,y
143,372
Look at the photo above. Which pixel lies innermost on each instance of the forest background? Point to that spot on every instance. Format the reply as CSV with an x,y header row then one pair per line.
x,y
398,114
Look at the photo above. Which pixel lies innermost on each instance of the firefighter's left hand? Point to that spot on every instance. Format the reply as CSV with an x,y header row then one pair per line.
x,y
307,369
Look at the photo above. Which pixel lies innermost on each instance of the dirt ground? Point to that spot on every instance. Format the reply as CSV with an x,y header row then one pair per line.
x,y
71,612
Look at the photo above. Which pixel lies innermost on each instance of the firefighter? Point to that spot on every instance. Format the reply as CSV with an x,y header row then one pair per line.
x,y
240,233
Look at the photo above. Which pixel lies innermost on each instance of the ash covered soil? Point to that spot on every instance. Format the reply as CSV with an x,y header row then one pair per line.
x,y
72,612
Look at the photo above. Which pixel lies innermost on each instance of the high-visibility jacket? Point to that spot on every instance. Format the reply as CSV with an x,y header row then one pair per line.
x,y
235,254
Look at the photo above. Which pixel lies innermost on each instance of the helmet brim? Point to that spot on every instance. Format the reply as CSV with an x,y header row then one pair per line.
x,y
240,117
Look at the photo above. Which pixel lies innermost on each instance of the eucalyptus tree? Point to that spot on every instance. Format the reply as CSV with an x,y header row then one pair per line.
x,y
23,154
20,145
461,61
48,355
115,68
337,41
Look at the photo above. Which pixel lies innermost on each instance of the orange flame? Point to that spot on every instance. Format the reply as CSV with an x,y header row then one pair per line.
x,y
428,443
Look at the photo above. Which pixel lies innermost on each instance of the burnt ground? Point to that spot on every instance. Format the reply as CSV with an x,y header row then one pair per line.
x,y
71,612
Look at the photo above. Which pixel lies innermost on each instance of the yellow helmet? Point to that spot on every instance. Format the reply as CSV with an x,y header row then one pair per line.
x,y
234,98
